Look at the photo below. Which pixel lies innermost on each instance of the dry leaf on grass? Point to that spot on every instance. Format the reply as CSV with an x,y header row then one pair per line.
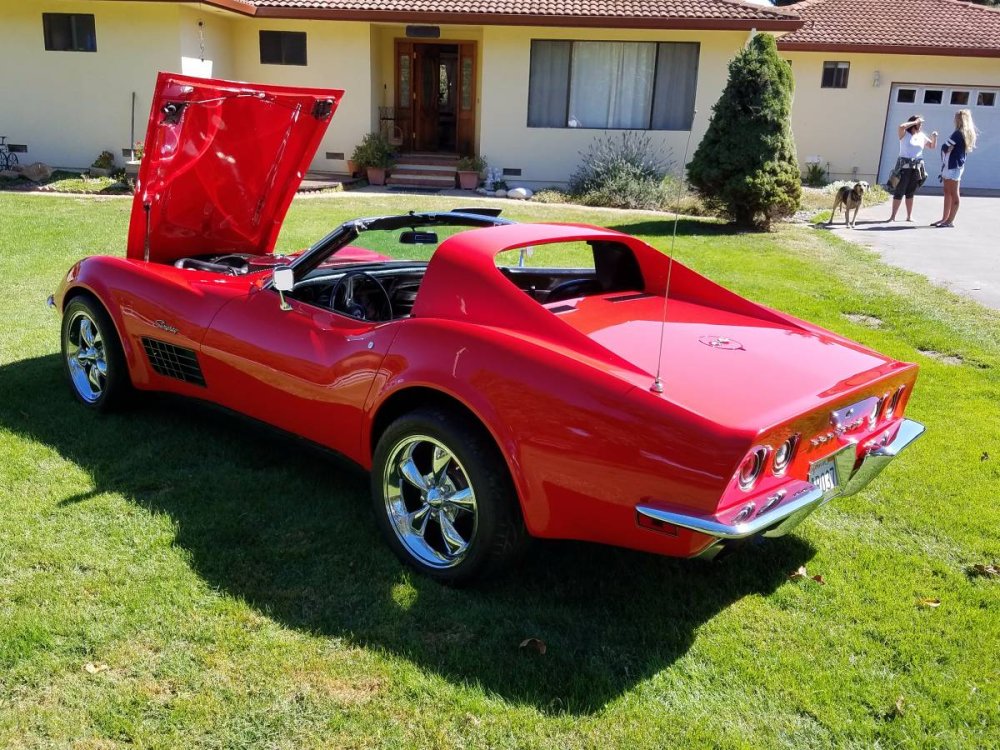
x,y
91,668
986,571
802,574
930,603
535,643
985,456
900,704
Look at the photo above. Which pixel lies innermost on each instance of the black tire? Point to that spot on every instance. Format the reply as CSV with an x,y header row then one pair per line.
x,y
495,535
103,391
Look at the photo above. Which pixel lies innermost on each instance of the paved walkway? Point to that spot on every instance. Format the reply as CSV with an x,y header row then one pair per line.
x,y
965,259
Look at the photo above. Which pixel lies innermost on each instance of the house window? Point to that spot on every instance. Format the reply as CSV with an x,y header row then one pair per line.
x,y
835,75
69,32
906,96
283,48
960,98
612,85
933,96
986,99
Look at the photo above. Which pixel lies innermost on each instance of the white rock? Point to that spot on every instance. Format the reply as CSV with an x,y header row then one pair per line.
x,y
519,193
482,191
501,193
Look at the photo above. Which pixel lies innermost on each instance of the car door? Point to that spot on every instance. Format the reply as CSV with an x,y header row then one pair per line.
x,y
306,370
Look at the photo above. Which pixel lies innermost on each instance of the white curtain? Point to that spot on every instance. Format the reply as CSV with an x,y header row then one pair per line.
x,y
611,85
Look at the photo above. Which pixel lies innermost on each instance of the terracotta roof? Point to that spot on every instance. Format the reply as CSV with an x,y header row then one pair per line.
x,y
707,14
916,27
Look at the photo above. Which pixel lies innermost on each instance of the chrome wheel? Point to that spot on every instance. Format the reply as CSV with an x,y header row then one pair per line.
x,y
429,501
86,358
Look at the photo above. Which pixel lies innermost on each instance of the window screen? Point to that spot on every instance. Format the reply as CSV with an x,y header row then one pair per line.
x,y
283,47
69,32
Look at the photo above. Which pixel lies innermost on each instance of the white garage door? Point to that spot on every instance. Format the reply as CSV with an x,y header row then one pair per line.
x,y
938,105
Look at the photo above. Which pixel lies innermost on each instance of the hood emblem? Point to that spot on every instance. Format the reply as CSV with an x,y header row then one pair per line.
x,y
720,342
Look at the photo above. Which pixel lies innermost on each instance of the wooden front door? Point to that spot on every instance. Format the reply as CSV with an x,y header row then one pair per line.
x,y
435,96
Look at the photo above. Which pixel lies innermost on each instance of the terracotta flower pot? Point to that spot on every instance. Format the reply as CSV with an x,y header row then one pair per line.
x,y
376,175
352,168
468,180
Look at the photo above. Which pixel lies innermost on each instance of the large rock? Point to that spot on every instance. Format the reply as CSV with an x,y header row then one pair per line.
x,y
37,172
519,193
501,193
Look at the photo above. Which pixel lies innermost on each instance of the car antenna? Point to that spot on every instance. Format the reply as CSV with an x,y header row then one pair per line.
x,y
657,386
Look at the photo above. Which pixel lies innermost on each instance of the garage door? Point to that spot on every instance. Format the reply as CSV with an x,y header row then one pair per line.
x,y
938,105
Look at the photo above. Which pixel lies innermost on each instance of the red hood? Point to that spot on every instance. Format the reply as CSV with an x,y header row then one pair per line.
x,y
221,164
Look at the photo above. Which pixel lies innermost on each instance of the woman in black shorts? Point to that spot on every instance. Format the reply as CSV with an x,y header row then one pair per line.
x,y
910,164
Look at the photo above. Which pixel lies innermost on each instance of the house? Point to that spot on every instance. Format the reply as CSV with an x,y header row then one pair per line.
x,y
862,67
527,83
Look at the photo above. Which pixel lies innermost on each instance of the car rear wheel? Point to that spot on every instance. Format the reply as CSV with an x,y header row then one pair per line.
x,y
444,499
92,356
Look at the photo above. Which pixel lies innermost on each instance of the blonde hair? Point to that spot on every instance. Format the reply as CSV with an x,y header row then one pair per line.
x,y
963,123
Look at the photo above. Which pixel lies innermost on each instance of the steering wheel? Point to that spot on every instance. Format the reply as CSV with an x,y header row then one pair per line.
x,y
572,288
352,296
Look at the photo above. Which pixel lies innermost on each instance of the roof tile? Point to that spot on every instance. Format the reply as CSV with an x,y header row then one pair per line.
x,y
728,10
939,26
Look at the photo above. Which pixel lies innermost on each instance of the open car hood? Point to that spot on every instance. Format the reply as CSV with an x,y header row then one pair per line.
x,y
221,164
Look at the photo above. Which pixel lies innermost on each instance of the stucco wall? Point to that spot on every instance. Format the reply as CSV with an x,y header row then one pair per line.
x,y
69,106
548,156
338,55
845,126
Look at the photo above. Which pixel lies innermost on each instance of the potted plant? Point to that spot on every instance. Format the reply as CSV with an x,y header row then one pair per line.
x,y
103,164
374,155
470,168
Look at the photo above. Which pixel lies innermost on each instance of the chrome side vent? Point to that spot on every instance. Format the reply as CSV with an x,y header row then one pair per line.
x,y
173,361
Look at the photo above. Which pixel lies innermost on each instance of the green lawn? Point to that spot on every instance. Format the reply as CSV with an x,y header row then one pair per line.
x,y
235,587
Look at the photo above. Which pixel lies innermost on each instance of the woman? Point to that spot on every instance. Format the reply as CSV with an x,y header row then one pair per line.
x,y
961,142
910,164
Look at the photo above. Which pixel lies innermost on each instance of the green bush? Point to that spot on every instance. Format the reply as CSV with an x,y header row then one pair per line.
x,y
746,163
815,175
373,151
475,164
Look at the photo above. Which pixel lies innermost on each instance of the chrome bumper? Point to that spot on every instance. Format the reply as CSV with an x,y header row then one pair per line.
x,y
784,516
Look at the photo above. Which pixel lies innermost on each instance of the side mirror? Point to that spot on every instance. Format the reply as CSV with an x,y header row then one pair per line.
x,y
283,279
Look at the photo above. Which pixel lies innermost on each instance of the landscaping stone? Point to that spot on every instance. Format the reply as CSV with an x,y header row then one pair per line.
x,y
37,172
519,193
501,193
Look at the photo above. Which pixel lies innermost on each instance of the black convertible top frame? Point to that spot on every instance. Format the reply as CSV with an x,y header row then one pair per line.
x,y
350,230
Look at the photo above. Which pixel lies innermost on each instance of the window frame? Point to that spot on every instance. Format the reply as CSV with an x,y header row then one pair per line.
x,y
74,21
656,71
840,74
283,36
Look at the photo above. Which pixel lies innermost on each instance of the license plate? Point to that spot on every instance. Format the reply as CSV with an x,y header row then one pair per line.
x,y
823,474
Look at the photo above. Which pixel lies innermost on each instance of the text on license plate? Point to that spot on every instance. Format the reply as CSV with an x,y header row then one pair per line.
x,y
823,474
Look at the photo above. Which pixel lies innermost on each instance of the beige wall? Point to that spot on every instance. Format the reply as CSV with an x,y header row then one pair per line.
x,y
338,54
69,106
548,156
845,126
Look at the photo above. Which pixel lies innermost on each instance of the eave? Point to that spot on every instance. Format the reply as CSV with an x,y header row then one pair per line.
x,y
888,49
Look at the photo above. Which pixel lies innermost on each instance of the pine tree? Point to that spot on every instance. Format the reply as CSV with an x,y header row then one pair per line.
x,y
746,164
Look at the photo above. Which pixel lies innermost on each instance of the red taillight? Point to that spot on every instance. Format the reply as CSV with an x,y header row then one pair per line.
x,y
751,468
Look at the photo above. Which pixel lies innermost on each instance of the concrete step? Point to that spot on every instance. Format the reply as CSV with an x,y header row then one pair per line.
x,y
424,167
446,160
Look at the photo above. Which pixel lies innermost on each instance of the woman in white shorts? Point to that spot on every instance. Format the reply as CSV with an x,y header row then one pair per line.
x,y
955,149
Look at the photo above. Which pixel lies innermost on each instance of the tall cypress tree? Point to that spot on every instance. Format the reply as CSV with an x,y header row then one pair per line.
x,y
746,163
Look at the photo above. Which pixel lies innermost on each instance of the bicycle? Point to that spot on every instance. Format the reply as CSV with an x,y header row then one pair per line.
x,y
8,159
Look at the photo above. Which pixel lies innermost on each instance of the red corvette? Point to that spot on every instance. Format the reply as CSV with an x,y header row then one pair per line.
x,y
493,395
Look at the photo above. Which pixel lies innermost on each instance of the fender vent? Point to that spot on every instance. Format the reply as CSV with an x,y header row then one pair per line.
x,y
173,361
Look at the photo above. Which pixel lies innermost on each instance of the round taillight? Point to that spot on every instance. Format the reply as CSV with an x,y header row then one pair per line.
x,y
751,468
783,454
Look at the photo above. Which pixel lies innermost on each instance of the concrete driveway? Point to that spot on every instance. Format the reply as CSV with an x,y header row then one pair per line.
x,y
965,259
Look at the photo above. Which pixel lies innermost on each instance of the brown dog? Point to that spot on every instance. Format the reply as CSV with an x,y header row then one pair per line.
x,y
849,198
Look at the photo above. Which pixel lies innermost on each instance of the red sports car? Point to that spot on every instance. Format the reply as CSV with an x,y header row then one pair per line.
x,y
494,393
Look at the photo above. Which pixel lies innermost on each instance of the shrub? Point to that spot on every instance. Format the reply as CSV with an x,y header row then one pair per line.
x,y
815,175
551,195
104,160
620,171
373,151
746,162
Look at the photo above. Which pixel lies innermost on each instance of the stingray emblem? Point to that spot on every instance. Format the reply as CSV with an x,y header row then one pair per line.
x,y
165,326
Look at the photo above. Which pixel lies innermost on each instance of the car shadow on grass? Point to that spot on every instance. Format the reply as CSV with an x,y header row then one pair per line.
x,y
660,228
288,529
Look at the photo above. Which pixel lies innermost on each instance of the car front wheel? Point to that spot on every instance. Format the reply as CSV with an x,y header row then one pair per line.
x,y
92,355
444,499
